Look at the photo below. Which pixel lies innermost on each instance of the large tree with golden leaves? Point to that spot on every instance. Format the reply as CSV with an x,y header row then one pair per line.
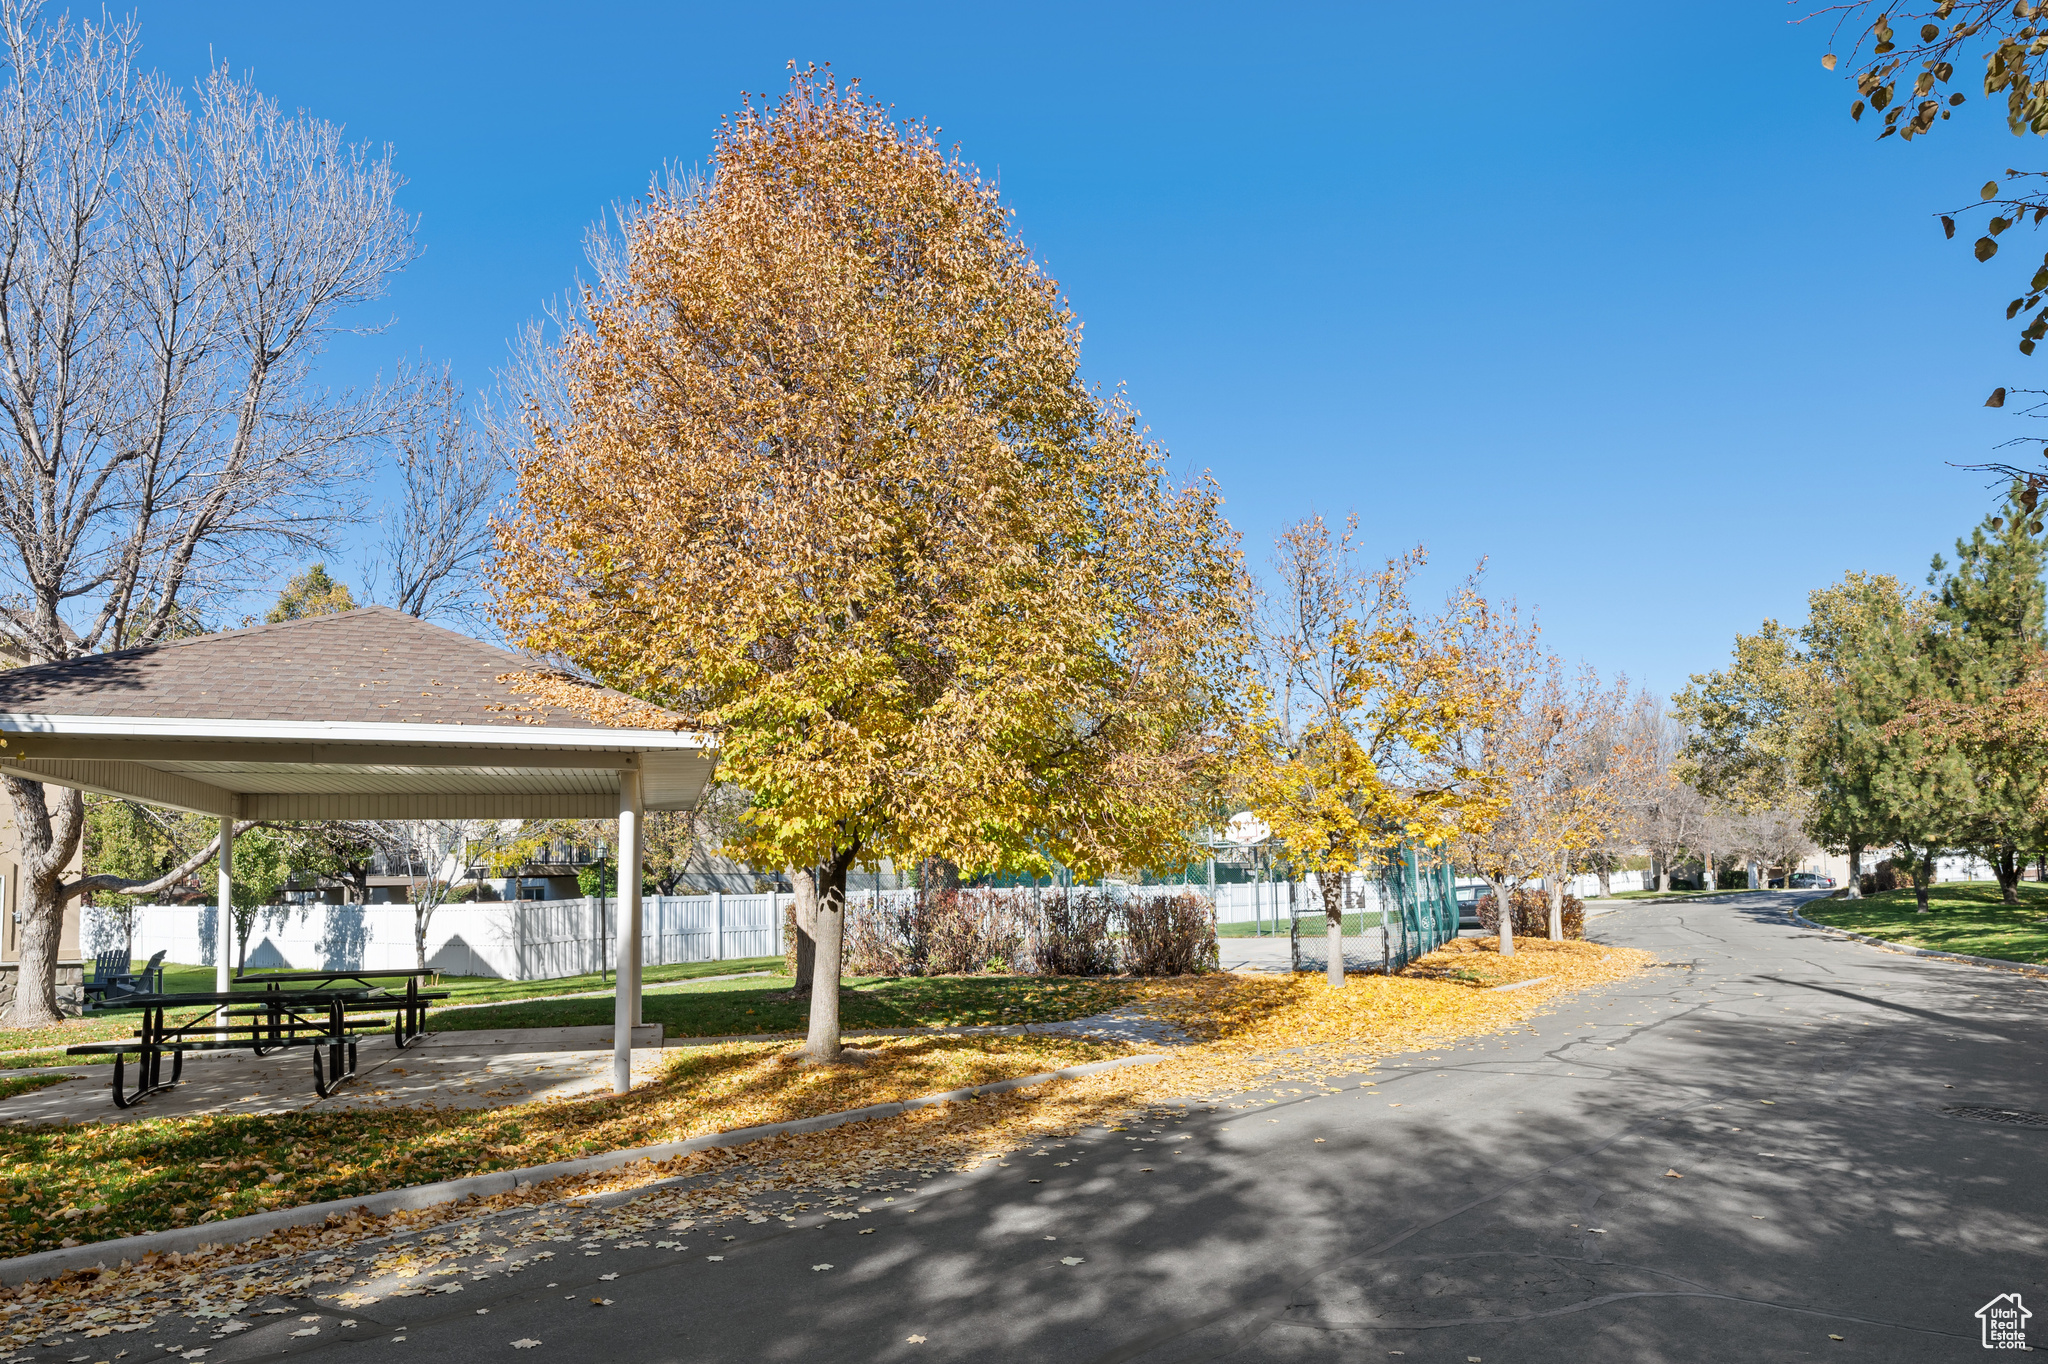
x,y
825,475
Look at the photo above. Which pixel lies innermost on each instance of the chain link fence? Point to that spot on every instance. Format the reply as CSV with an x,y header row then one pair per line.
x,y
1389,920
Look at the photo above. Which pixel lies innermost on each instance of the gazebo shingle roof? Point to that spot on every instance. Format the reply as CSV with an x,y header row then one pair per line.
x,y
370,666
366,714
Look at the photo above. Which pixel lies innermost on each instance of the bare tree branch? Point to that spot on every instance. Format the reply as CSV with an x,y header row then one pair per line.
x,y
450,477
170,268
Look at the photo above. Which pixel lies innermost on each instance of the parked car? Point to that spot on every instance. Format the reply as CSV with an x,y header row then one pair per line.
x,y
1806,880
1468,904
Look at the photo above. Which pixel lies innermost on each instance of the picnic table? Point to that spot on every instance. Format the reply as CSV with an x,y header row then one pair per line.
x,y
271,1020
409,1010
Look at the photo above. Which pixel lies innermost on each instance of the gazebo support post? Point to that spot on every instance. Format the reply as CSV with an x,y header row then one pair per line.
x,y
224,920
626,985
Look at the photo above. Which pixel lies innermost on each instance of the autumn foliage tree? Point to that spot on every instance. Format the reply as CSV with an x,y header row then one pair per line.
x,y
1507,847
828,480
1583,764
1559,757
1369,697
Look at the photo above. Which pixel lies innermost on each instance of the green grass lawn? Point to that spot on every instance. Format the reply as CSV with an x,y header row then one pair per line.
x,y
1353,923
44,1046
11,1085
683,1008
490,989
1964,916
722,1008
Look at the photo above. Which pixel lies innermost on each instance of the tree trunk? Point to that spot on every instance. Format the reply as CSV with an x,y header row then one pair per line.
x,y
47,839
1923,872
1606,886
2008,867
1506,911
1332,888
1555,889
35,985
828,931
1855,888
242,927
805,884
1663,876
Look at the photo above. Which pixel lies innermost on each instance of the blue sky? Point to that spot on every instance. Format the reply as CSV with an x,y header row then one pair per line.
x,y
1614,295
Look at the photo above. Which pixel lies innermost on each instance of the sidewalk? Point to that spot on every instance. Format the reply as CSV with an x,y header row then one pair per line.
x,y
1268,955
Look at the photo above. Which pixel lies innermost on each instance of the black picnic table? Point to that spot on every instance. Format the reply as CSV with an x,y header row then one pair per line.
x,y
263,1021
409,1010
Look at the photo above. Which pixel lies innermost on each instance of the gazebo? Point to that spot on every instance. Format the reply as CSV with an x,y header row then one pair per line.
x,y
366,714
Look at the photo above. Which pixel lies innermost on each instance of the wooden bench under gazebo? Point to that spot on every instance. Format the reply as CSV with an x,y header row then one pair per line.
x,y
368,714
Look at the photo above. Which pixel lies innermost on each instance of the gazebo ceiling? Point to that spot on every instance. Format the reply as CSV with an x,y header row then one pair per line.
x,y
367,714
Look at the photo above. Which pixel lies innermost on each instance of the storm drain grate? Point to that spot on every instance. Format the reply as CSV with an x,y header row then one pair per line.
x,y
2016,1117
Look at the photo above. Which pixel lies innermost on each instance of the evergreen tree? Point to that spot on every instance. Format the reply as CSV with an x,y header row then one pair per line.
x,y
1914,789
1843,745
1987,630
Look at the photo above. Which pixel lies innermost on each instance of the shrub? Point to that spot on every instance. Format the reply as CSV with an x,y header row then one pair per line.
x,y
933,933
1890,876
1169,936
1059,933
1075,934
1532,914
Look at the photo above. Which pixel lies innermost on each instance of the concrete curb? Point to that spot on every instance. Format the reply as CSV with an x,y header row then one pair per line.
x,y
1517,985
1904,949
49,1264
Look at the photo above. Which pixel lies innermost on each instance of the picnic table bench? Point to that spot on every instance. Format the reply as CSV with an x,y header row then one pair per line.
x,y
409,1010
259,1022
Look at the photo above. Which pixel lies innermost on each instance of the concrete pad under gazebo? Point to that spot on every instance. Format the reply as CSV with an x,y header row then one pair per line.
x,y
491,1068
368,715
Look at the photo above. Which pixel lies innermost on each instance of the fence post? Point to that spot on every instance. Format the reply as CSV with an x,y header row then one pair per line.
x,y
1293,930
717,925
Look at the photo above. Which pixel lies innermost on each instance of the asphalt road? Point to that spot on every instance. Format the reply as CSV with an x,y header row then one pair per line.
x,y
1742,1155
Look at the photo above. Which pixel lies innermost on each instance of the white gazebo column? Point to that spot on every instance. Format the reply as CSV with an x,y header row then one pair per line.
x,y
626,991
224,919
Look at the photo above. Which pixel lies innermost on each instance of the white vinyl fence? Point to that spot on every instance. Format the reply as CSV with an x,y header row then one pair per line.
x,y
1267,902
550,939
510,940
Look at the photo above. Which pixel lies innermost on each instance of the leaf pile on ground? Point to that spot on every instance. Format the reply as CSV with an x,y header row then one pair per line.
x,y
1250,1030
92,1181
